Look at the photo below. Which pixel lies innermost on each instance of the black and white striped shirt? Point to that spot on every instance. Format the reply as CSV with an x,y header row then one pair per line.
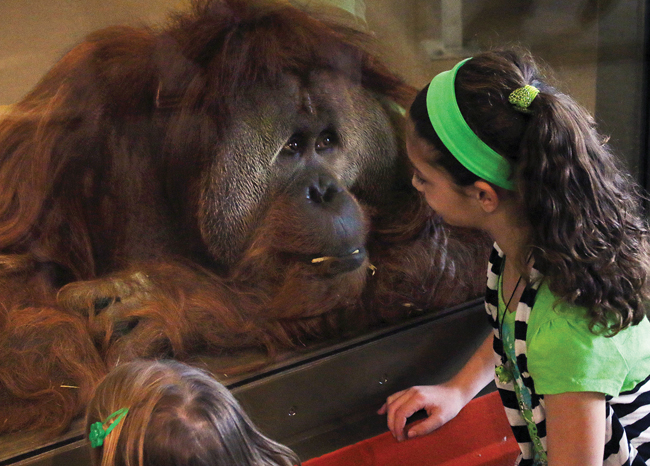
x,y
627,439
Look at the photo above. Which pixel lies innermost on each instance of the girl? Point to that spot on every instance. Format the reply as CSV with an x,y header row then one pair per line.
x,y
495,148
148,413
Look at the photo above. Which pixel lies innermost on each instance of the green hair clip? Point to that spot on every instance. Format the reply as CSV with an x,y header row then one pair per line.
x,y
522,97
97,432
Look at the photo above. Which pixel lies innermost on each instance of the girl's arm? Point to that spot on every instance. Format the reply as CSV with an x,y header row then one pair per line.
x,y
442,402
575,428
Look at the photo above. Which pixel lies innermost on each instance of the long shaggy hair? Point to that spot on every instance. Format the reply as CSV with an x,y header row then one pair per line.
x,y
138,219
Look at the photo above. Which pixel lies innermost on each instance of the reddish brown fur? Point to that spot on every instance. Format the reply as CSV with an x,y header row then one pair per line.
x,y
103,212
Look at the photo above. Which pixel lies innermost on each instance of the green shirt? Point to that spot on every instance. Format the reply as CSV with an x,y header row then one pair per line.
x,y
565,356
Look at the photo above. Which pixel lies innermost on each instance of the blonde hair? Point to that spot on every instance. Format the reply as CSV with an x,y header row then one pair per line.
x,y
178,415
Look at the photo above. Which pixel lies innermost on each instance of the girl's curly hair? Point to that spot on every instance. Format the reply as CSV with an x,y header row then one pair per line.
x,y
589,236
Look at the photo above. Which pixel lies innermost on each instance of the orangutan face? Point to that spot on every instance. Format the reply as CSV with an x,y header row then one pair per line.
x,y
287,167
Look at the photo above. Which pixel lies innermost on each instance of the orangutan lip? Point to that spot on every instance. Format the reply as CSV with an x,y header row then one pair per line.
x,y
357,253
334,265
317,260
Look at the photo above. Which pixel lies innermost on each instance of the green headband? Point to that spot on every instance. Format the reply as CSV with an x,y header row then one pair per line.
x,y
97,431
458,137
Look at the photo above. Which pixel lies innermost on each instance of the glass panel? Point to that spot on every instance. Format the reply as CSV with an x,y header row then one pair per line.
x,y
595,47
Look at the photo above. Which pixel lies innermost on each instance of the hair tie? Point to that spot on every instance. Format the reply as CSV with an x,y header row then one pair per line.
x,y
522,98
98,433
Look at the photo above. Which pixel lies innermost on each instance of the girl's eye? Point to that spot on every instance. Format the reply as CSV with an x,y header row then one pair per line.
x,y
418,178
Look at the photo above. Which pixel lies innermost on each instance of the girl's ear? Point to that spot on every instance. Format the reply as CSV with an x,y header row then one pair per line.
x,y
486,195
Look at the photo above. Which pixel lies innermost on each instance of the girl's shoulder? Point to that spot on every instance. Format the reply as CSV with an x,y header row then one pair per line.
x,y
550,309
559,339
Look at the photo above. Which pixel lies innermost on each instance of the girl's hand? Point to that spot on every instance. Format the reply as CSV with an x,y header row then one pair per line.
x,y
441,402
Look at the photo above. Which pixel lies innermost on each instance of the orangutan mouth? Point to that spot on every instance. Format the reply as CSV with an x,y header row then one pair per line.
x,y
334,265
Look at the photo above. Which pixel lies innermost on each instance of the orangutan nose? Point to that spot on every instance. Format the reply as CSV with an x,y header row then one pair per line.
x,y
323,189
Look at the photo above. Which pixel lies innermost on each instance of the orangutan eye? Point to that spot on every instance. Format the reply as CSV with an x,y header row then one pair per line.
x,y
292,146
326,141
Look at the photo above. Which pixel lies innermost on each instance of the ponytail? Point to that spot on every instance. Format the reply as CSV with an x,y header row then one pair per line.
x,y
588,234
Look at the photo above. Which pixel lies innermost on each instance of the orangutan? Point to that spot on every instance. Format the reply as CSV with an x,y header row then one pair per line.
x,y
236,179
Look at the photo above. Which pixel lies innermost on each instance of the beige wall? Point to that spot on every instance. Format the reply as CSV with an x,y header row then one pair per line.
x,y
35,33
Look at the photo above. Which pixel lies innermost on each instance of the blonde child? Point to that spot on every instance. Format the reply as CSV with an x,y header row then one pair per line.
x,y
493,147
159,413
